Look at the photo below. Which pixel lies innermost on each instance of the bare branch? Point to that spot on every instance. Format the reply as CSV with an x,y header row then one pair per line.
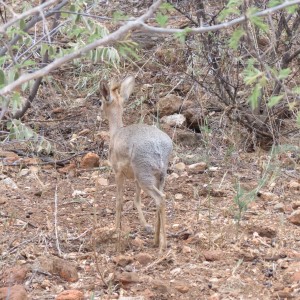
x,y
25,14
217,27
113,37
132,25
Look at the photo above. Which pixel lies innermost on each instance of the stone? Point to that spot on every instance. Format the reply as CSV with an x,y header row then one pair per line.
x,y
123,260
213,255
68,169
180,166
89,161
187,138
2,200
169,105
263,231
176,120
172,176
296,204
102,181
70,295
279,207
178,196
143,258
57,266
15,292
14,275
161,286
137,243
9,183
24,172
294,185
267,196
128,277
295,217
197,168
186,249
181,287
194,117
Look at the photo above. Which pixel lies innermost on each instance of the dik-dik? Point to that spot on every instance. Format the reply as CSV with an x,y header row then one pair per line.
x,y
140,152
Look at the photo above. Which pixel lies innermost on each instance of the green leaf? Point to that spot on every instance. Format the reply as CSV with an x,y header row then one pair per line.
x,y
296,89
292,9
230,9
166,6
258,21
235,38
273,3
22,24
284,73
119,16
181,36
161,19
2,78
253,99
274,100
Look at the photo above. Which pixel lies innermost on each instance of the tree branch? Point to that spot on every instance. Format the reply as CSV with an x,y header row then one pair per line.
x,y
123,30
25,14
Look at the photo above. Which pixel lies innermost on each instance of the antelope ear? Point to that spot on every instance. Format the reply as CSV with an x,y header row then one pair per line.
x,y
127,87
104,91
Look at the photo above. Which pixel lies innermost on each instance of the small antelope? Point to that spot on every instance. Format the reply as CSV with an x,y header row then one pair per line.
x,y
140,152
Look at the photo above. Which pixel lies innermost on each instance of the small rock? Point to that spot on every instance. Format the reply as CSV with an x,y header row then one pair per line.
x,y
144,258
181,287
213,255
68,169
173,176
279,207
180,166
176,120
89,161
178,196
128,277
169,105
161,286
187,138
294,185
186,249
197,168
24,172
264,231
267,196
123,260
295,217
10,183
296,204
215,296
14,275
79,102
15,292
103,181
138,243
2,200
70,295
176,271
58,266
148,294
296,277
